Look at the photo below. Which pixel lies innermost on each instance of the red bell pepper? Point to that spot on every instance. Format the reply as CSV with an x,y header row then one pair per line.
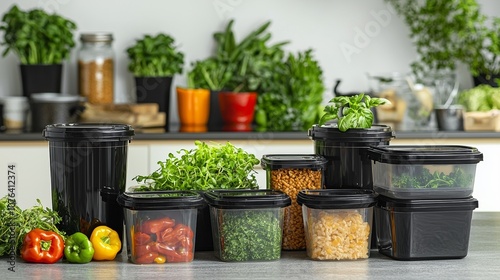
x,y
157,225
42,246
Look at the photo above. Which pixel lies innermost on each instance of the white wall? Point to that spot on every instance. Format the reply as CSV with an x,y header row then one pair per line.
x,y
369,28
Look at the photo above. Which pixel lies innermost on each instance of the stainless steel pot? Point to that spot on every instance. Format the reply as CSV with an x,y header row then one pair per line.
x,y
53,108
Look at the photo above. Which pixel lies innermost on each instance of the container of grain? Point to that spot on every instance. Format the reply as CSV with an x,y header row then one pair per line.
x,y
291,173
337,223
96,68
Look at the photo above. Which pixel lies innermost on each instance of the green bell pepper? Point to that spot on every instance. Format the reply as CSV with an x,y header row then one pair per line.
x,y
78,248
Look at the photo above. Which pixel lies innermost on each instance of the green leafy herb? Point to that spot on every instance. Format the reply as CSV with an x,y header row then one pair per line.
x,y
292,94
481,98
250,235
37,37
155,57
203,168
352,112
458,178
15,223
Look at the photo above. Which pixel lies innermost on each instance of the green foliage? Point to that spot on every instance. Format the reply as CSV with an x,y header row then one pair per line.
x,y
238,66
449,31
155,57
425,180
290,98
15,223
351,112
250,235
37,37
203,168
480,98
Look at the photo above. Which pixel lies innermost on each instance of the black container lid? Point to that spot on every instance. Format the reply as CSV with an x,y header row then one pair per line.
x,y
331,132
425,154
302,161
427,205
337,198
246,199
93,132
160,200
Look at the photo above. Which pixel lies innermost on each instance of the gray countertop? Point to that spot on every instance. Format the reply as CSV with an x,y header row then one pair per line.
x,y
225,135
482,262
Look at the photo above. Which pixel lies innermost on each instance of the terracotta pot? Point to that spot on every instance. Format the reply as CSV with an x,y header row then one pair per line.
x,y
193,106
237,107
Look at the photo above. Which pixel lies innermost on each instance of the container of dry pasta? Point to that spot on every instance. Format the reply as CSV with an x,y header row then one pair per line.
x,y
291,173
337,223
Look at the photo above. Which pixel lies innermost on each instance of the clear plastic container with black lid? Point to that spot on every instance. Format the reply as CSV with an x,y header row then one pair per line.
x,y
338,223
291,173
247,225
424,229
424,171
160,225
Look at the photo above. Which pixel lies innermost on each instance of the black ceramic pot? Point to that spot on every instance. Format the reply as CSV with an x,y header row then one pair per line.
x,y
41,78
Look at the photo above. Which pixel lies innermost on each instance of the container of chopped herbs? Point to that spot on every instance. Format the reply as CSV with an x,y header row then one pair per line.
x,y
424,171
247,225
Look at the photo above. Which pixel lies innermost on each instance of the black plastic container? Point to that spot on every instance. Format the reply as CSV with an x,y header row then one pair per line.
x,y
156,215
424,171
424,229
338,223
348,164
88,165
247,225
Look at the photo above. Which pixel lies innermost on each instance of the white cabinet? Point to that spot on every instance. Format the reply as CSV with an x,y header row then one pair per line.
x,y
33,172
33,169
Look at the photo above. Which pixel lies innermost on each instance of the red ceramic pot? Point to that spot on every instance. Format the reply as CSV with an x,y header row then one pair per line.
x,y
237,107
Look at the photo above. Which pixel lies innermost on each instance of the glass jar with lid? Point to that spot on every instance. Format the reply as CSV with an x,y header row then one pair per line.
x,y
96,68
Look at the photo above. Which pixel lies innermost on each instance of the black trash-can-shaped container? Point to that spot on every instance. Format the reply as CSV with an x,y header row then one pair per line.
x,y
88,165
348,165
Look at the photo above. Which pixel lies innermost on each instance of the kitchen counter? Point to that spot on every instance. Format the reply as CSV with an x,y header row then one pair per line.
x,y
482,262
156,134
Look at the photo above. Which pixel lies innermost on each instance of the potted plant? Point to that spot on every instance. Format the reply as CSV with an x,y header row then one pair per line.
x,y
42,42
342,136
293,94
237,71
154,60
448,32
193,104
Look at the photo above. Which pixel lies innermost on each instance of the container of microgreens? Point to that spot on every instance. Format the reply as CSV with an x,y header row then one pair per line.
x,y
247,225
424,171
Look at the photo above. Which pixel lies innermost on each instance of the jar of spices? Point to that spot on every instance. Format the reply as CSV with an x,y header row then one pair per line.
x,y
96,68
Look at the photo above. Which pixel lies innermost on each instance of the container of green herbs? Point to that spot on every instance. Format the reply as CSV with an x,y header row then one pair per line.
x,y
424,171
247,225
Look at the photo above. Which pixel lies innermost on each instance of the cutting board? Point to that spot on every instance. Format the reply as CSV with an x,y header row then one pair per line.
x,y
136,115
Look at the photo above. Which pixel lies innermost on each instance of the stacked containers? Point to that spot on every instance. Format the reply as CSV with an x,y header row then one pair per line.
x,y
425,206
160,226
337,223
247,225
290,174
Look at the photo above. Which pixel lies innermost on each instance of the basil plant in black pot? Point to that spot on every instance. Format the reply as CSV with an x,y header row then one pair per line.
x,y
154,60
343,136
42,42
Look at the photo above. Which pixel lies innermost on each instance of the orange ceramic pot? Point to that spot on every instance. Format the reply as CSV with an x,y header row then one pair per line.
x,y
193,106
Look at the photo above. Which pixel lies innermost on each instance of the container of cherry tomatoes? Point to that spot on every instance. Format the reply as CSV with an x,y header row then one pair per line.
x,y
160,225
